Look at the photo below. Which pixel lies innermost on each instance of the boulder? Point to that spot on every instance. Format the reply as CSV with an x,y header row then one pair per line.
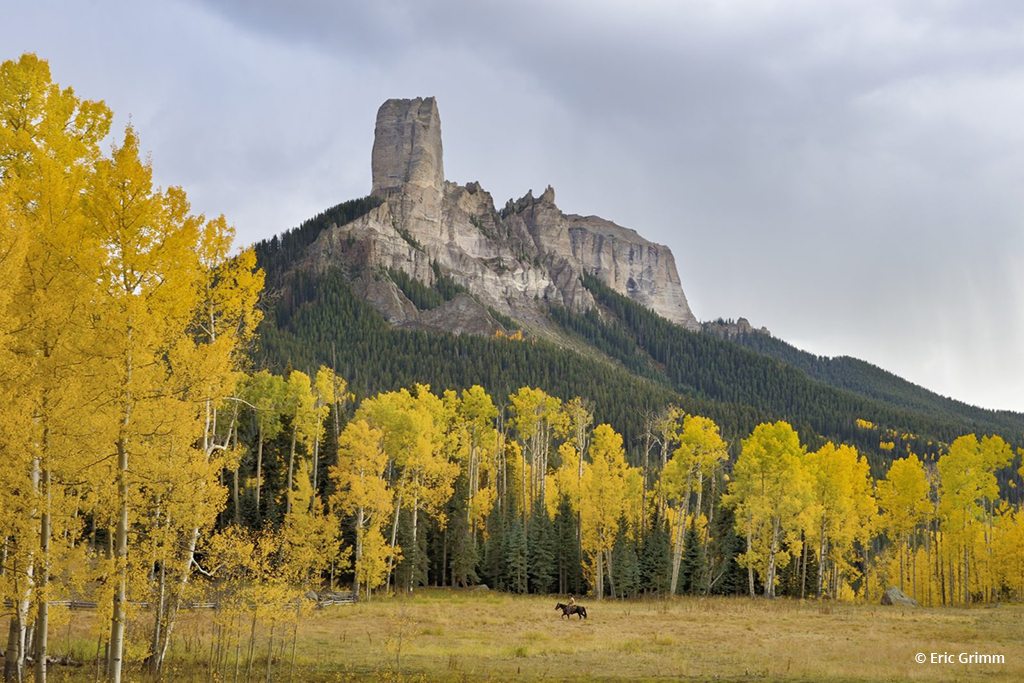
x,y
894,596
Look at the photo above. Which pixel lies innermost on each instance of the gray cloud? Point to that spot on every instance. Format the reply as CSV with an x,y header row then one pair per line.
x,y
845,173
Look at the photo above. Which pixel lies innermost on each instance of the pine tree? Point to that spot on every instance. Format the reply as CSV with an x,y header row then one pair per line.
x,y
724,575
463,551
516,557
626,563
691,567
492,565
655,557
542,568
567,552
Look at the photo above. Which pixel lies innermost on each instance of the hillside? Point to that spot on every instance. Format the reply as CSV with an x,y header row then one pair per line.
x,y
628,360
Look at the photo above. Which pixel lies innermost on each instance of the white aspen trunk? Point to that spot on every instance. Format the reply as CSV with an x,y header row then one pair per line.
x,y
600,576
121,562
14,659
822,550
543,469
394,538
234,482
902,552
525,493
259,470
291,469
415,541
750,545
316,464
172,611
209,445
769,586
803,566
359,549
43,580
471,477
234,496
611,578
158,620
677,550
700,492
967,576
707,534
913,566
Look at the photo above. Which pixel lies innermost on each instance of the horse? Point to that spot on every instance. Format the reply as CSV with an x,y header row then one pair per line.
x,y
568,610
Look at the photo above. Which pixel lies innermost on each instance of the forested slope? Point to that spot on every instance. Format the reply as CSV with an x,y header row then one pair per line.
x,y
640,362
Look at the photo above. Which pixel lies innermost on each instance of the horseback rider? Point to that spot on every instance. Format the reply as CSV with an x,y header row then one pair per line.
x,y
572,600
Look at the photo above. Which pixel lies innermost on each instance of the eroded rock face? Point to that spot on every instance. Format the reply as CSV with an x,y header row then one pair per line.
x,y
407,146
518,261
620,257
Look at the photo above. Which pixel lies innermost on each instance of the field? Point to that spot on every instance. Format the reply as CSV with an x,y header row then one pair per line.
x,y
482,636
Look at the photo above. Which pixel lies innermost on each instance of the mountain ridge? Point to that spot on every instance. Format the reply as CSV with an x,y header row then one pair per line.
x,y
436,261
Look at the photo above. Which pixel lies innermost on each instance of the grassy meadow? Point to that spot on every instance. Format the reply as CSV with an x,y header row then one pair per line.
x,y
488,636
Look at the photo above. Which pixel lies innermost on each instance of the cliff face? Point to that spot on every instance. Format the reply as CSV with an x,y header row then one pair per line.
x,y
517,261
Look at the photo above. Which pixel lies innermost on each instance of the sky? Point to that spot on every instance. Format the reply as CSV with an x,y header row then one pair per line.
x,y
848,174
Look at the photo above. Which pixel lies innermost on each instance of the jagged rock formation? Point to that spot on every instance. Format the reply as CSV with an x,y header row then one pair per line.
x,y
517,261
727,329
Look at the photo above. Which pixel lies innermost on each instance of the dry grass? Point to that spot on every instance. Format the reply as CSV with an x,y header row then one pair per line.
x,y
464,636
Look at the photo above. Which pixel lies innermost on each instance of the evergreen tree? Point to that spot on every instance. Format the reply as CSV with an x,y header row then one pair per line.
x,y
567,550
655,561
542,568
516,557
625,563
724,574
412,569
492,566
691,569
463,553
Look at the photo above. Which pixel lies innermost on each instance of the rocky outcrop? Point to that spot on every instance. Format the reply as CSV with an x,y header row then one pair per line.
x,y
894,596
407,148
518,261
620,257
728,329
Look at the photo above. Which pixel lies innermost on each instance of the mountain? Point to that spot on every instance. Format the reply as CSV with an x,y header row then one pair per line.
x,y
517,261
426,281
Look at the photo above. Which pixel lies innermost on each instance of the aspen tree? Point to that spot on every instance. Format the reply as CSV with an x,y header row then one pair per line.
x,y
537,418
769,489
265,393
603,502
172,314
842,509
49,261
310,539
208,360
362,492
903,498
414,426
967,488
477,412
324,387
300,407
701,449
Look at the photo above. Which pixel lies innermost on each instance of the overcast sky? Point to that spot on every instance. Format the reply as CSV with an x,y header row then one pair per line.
x,y
848,174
